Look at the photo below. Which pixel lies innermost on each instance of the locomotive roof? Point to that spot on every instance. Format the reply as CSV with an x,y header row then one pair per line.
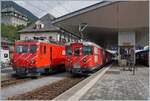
x,y
91,43
44,41
31,41
139,51
85,43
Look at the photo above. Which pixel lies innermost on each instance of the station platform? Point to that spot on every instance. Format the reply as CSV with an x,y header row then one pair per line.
x,y
7,70
114,84
7,73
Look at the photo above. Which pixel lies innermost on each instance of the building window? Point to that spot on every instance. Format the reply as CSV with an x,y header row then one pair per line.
x,y
38,25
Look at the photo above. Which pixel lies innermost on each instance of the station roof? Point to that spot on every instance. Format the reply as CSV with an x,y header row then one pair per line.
x,y
106,18
46,21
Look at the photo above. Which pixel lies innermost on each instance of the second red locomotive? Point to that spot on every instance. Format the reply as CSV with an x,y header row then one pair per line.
x,y
85,57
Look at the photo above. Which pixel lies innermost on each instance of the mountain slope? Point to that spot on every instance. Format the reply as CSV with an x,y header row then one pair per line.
x,y
24,11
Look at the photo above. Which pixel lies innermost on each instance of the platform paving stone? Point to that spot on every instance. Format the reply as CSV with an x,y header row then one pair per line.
x,y
117,84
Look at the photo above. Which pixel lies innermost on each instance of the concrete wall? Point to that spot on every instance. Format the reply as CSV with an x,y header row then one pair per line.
x,y
142,38
58,37
126,38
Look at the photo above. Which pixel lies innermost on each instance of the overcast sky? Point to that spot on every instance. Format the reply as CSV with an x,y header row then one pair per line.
x,y
55,7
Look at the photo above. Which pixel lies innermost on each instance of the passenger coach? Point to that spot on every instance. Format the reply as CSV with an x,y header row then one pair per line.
x,y
142,57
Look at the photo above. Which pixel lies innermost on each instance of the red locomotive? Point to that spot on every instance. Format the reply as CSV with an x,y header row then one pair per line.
x,y
85,57
36,57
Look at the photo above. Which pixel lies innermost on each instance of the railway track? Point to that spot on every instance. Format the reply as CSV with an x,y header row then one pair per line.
x,y
48,92
12,81
15,80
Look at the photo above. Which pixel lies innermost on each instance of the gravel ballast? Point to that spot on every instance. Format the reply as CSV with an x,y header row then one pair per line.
x,y
48,92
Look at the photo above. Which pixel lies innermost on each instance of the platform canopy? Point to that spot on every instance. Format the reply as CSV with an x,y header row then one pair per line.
x,y
106,19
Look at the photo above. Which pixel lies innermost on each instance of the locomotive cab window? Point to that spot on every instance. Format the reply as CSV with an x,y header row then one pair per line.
x,y
22,48
33,48
76,51
87,50
68,51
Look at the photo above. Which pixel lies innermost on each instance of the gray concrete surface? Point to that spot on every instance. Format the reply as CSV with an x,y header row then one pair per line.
x,y
30,85
6,76
6,73
120,85
74,93
7,70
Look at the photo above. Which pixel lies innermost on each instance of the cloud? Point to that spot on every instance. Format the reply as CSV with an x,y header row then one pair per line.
x,y
55,7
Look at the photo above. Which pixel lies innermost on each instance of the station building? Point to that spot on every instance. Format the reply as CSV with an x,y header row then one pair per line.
x,y
115,25
44,28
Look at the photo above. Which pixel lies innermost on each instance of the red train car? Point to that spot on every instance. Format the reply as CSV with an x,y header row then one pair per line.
x,y
84,57
142,57
35,57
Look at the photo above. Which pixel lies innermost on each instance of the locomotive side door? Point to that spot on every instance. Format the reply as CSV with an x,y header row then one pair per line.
x,y
77,56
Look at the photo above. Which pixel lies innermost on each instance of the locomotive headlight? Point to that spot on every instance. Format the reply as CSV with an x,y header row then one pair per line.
x,y
32,61
84,60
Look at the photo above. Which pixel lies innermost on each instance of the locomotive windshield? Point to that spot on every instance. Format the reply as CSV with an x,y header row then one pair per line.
x,y
68,51
87,50
22,48
76,51
33,48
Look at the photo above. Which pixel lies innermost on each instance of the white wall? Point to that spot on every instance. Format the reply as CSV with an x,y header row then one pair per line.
x,y
31,35
142,39
126,38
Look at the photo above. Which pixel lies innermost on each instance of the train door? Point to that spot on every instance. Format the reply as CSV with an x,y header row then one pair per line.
x,y
44,60
51,54
95,55
68,50
101,56
41,55
77,56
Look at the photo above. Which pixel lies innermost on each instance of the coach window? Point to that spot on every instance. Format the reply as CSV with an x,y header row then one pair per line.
x,y
76,51
68,51
87,50
44,49
33,48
